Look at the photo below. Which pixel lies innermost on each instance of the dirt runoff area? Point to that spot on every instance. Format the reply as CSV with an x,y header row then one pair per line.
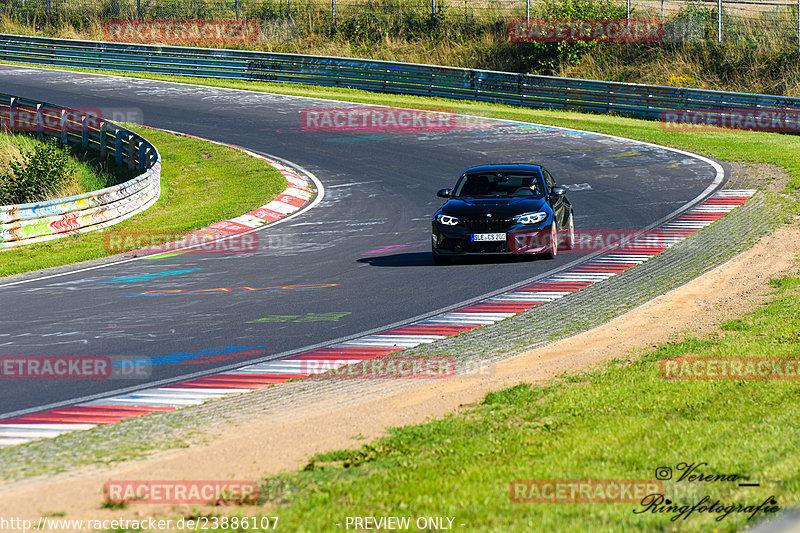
x,y
249,453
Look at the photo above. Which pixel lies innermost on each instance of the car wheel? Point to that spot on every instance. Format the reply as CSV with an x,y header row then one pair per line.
x,y
439,259
570,244
553,252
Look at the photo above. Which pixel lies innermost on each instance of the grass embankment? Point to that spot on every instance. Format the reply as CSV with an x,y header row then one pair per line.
x,y
81,171
726,145
748,67
759,52
202,183
619,422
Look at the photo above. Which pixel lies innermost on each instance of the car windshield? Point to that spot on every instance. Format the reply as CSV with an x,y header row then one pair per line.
x,y
497,185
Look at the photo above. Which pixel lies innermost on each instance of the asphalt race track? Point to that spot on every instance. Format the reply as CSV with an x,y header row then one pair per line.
x,y
369,237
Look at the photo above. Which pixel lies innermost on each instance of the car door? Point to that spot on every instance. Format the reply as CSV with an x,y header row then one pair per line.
x,y
556,202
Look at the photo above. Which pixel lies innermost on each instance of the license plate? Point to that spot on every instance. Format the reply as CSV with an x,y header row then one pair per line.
x,y
488,237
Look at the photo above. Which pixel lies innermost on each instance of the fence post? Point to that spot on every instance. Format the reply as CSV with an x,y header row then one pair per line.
x,y
629,9
142,155
433,9
719,21
103,139
12,113
528,11
333,10
64,118
798,25
132,148
236,7
85,131
118,146
662,9
138,9
48,10
39,121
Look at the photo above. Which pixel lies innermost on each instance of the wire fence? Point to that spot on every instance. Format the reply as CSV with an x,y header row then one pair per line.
x,y
722,20
731,20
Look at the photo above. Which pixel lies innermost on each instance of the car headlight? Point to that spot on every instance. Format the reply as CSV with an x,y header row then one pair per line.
x,y
447,220
530,218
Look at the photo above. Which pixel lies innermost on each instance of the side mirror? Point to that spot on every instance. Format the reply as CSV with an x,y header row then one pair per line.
x,y
557,191
444,193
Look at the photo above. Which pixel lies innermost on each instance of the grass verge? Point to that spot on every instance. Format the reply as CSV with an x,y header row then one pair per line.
x,y
622,421
202,183
726,145
619,422
758,53
85,171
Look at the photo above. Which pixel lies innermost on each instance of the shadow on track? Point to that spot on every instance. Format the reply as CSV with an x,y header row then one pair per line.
x,y
424,259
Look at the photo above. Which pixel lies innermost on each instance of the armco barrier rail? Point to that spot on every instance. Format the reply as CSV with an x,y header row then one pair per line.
x,y
645,101
42,221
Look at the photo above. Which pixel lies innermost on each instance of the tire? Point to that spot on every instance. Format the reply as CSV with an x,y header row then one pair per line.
x,y
570,244
553,252
440,260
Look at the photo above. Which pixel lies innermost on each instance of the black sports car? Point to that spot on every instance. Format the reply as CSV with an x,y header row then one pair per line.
x,y
502,209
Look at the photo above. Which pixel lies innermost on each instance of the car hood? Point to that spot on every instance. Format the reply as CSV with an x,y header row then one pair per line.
x,y
498,207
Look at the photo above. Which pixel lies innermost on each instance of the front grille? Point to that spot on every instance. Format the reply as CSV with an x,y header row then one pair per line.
x,y
485,247
487,225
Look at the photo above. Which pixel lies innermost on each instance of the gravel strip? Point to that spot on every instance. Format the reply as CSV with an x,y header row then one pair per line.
x,y
75,453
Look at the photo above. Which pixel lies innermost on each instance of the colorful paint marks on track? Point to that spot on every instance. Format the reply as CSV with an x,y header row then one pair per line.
x,y
235,290
153,275
308,317
158,399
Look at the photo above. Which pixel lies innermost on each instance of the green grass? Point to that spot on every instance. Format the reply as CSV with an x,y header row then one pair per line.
x,y
94,173
758,53
202,183
621,421
85,170
726,145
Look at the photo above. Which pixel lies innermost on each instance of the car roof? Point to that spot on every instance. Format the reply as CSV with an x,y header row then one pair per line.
x,y
514,167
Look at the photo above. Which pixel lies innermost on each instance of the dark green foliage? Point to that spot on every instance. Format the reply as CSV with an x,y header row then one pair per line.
x,y
547,57
36,175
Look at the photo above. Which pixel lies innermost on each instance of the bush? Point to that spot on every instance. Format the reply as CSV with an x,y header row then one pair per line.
x,y
547,57
36,175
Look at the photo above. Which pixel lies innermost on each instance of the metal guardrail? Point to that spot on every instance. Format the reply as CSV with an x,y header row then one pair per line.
x,y
42,221
643,101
